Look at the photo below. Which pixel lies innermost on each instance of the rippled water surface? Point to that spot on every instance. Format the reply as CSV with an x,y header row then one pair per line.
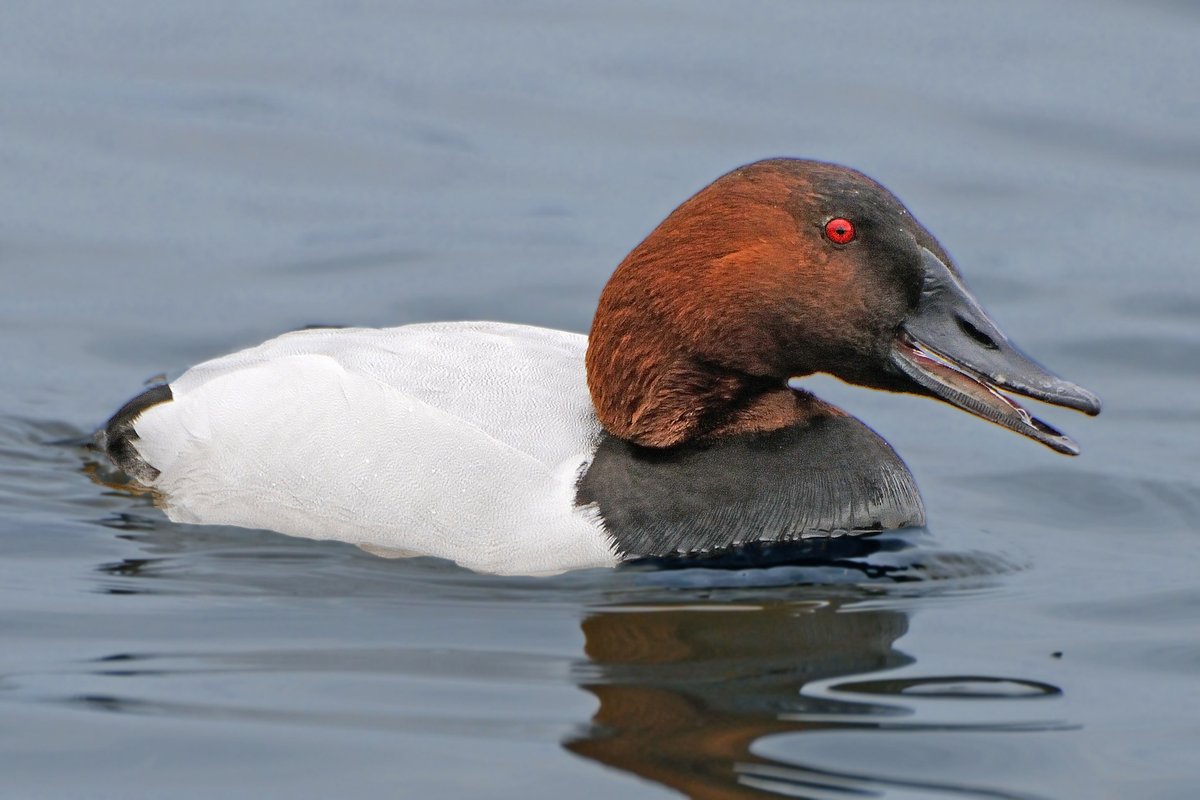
x,y
182,179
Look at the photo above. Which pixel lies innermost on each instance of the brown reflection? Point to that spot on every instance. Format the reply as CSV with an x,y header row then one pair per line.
x,y
685,691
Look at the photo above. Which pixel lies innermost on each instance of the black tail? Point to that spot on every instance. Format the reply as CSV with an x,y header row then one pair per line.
x,y
117,436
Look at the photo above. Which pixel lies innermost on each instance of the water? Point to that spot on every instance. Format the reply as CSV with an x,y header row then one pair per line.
x,y
184,179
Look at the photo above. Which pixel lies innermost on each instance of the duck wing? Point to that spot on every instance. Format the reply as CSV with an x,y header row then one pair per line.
x,y
460,440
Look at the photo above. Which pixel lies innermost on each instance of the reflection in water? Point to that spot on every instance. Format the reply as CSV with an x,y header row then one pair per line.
x,y
686,691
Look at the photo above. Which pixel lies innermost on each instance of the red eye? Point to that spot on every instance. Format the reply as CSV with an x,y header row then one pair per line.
x,y
840,230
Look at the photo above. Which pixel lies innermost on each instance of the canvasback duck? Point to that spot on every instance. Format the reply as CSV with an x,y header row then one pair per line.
x,y
679,428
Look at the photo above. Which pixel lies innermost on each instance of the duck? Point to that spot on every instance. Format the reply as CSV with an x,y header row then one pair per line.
x,y
679,428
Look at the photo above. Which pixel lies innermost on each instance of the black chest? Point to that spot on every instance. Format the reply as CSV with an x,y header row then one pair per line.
x,y
831,476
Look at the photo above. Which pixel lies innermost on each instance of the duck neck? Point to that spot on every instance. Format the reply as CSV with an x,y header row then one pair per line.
x,y
689,400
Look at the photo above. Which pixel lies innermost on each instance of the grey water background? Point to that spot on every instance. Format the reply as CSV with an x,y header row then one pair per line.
x,y
180,180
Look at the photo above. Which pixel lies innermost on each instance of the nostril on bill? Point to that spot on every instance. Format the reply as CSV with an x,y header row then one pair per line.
x,y
976,334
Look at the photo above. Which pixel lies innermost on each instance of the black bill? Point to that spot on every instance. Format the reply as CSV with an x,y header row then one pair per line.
x,y
953,350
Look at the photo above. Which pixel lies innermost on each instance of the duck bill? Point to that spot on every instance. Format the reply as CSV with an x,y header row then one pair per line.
x,y
952,350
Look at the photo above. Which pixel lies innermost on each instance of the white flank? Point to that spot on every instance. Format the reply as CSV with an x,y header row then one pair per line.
x,y
460,440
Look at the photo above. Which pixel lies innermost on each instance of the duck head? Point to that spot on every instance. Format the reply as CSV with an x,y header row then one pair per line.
x,y
781,269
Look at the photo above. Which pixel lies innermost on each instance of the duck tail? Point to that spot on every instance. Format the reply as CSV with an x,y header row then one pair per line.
x,y
115,439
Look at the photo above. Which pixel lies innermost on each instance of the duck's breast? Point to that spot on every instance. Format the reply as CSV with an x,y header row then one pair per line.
x,y
828,477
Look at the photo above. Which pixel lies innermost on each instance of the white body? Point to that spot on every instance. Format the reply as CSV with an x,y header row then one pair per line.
x,y
460,440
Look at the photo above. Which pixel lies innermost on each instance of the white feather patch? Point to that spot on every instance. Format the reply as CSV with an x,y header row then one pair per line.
x,y
458,440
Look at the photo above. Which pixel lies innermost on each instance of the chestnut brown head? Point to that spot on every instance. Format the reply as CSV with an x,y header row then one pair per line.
x,y
781,269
